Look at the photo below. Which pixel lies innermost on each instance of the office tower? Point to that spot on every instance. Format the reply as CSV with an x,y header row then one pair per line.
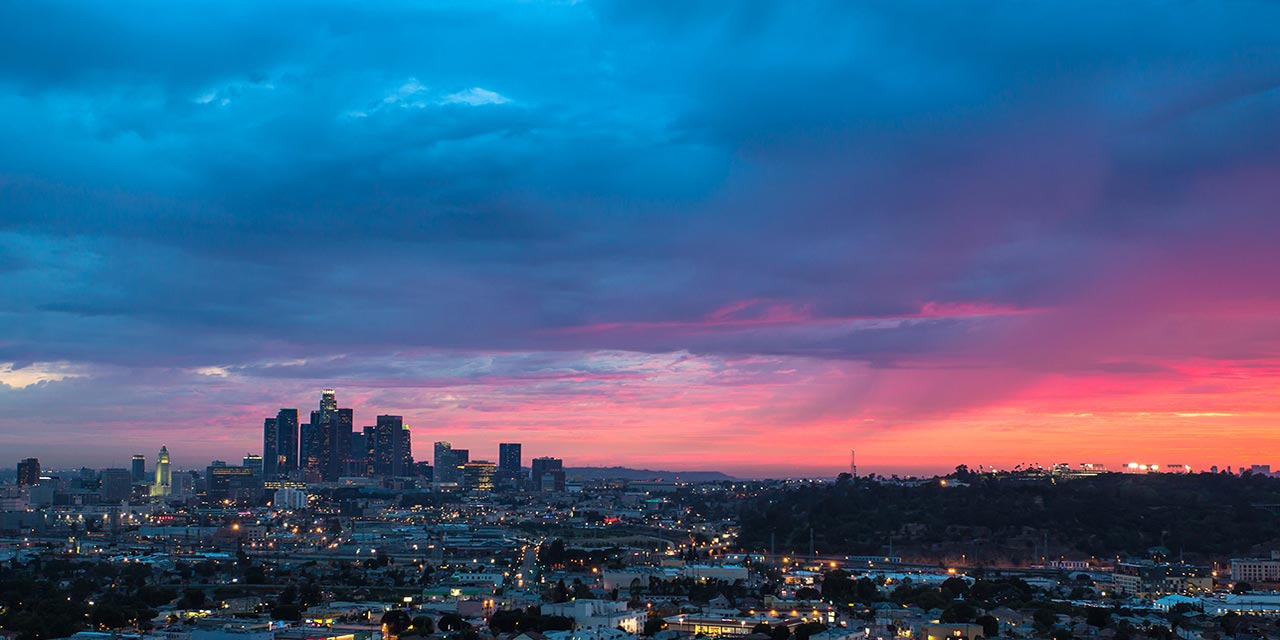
x,y
343,461
306,442
139,469
328,441
460,458
88,479
370,442
478,476
29,471
509,460
442,461
163,484
287,441
223,482
254,462
392,455
406,453
552,480
117,484
270,450
424,471
545,466
359,453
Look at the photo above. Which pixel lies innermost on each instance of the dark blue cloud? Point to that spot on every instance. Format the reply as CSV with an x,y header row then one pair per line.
x,y
220,184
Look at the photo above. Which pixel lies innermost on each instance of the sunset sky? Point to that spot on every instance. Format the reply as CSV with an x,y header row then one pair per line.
x,y
739,236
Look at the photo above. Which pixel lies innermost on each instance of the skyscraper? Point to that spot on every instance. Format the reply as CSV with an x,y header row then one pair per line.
x,y
317,449
370,445
254,462
509,459
547,466
343,425
163,485
270,450
116,484
460,458
478,476
442,461
139,469
328,402
327,439
287,441
392,453
29,471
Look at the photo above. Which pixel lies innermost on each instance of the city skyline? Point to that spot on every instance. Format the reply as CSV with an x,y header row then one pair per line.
x,y
726,236
380,454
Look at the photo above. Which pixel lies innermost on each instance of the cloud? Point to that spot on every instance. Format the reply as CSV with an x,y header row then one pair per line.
x,y
22,375
475,97
923,214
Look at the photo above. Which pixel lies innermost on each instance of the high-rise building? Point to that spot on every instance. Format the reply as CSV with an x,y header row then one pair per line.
x,y
224,482
545,466
328,439
254,462
478,476
29,471
287,441
270,448
359,453
139,468
306,444
370,444
509,460
88,479
460,458
392,448
163,484
343,462
442,461
406,452
116,484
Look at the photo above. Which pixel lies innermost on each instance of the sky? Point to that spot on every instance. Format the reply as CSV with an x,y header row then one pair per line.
x,y
741,236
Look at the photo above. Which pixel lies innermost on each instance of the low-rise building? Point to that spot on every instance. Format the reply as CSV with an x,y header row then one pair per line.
x,y
1256,570
1141,578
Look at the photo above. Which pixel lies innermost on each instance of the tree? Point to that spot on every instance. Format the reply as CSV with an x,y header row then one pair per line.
x,y
424,625
1097,617
287,613
990,626
654,625
453,622
192,599
1044,618
395,622
762,627
1242,588
804,631
109,617
959,612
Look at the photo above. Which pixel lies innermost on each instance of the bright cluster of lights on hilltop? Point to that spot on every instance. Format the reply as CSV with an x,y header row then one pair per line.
x,y
1155,468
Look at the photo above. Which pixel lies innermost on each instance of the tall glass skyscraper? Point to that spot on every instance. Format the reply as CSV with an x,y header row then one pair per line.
x,y
509,459
270,447
287,441
139,470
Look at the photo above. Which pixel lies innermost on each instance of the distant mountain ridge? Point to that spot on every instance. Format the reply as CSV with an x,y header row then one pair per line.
x,y
624,473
